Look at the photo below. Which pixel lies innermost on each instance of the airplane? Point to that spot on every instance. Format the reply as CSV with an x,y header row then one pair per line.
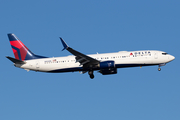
x,y
106,63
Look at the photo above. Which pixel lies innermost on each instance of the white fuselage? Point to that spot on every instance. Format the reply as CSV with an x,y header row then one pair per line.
x,y
122,59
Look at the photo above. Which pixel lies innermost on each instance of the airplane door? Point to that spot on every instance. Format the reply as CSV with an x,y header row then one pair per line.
x,y
37,64
155,55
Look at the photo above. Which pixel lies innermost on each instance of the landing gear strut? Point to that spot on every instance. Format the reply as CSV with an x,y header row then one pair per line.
x,y
162,64
91,74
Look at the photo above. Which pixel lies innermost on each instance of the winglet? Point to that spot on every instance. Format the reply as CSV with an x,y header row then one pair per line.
x,y
64,44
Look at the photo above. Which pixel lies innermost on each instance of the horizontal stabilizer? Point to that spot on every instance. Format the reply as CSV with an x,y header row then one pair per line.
x,y
15,60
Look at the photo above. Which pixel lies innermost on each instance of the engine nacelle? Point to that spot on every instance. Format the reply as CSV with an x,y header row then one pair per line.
x,y
107,65
110,71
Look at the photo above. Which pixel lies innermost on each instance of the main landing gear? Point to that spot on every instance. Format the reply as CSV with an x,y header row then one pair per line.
x,y
91,74
159,69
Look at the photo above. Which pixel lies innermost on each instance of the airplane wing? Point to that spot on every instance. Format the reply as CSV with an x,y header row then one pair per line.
x,y
81,58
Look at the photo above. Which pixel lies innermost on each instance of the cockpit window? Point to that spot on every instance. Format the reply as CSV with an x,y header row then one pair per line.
x,y
164,53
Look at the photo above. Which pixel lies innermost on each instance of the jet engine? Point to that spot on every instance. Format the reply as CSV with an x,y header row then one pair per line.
x,y
107,67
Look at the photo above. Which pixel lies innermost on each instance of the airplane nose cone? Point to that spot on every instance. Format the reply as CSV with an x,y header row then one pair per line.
x,y
172,57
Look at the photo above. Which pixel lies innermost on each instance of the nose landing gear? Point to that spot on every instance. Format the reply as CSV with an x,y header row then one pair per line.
x,y
162,64
91,74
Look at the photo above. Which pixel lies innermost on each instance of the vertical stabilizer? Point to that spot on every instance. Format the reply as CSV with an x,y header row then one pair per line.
x,y
21,52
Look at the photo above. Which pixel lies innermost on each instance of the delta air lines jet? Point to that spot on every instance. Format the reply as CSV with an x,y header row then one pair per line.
x,y
105,64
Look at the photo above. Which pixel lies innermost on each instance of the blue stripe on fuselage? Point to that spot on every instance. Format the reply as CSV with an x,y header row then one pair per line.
x,y
85,69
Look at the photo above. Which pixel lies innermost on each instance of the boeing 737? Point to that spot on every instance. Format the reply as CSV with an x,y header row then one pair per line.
x,y
105,64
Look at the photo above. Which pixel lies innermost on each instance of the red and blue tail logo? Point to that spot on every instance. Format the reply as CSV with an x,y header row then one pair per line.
x,y
21,52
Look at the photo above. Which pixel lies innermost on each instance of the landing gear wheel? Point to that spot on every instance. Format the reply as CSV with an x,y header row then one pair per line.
x,y
91,74
159,69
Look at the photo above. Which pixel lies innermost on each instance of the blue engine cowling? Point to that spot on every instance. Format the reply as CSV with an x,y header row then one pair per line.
x,y
109,71
108,67
107,64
